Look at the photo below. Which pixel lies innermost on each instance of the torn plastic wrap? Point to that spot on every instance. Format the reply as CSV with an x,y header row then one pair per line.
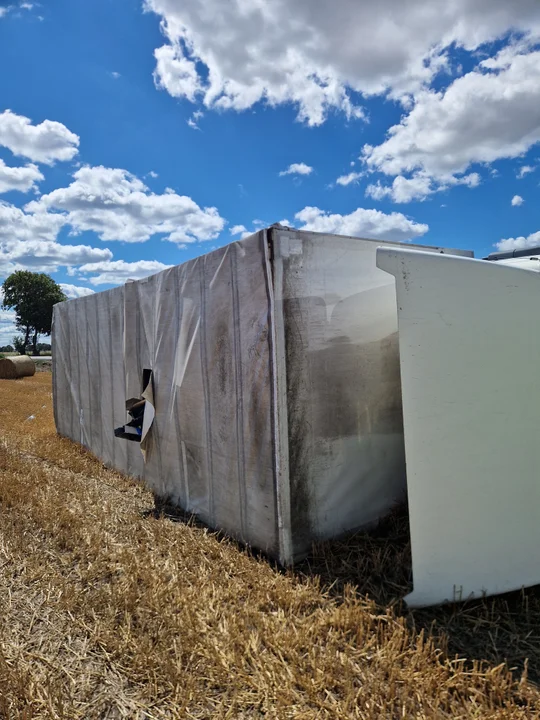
x,y
132,430
149,409
276,386
142,412
204,329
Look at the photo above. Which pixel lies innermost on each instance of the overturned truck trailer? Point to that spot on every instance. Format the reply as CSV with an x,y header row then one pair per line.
x,y
272,368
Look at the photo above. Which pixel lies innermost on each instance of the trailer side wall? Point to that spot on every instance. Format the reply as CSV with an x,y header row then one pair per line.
x,y
204,329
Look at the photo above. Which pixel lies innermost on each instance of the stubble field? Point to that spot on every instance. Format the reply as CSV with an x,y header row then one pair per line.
x,y
112,610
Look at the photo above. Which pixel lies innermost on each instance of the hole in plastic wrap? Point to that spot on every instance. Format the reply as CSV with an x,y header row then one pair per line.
x,y
141,412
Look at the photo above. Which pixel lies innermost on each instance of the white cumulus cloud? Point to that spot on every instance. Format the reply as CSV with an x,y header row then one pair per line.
x,y
45,256
118,206
15,224
519,243
417,187
490,113
525,170
193,121
297,169
313,54
28,241
237,229
19,178
517,200
46,142
7,316
352,177
362,222
176,73
6,8
116,272
76,291
8,329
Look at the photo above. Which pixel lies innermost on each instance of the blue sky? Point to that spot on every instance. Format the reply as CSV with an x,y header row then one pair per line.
x,y
135,135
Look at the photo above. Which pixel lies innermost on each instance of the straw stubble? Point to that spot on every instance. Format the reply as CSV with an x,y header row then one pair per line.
x,y
110,610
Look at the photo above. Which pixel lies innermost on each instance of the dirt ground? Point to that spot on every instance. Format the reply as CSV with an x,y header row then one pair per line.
x,y
44,365
111,610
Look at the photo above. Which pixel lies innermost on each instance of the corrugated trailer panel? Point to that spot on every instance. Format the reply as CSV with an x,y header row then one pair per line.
x,y
204,329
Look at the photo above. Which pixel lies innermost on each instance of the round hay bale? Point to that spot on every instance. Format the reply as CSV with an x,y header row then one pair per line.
x,y
19,366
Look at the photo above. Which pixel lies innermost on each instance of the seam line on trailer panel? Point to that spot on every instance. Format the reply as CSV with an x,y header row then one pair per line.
x,y
240,445
206,394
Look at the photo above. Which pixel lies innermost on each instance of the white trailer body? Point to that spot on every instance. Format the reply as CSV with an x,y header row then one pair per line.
x,y
276,381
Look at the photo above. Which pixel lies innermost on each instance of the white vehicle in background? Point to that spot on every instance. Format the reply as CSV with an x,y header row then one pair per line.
x,y
528,259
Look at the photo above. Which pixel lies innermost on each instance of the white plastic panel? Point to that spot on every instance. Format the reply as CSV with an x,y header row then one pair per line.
x,y
469,345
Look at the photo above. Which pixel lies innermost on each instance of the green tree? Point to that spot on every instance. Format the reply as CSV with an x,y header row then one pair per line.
x,y
32,296
18,342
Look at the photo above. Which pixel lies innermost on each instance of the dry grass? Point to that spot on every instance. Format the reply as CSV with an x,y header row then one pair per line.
x,y
109,611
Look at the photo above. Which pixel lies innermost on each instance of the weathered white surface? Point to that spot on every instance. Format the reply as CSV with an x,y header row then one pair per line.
x,y
343,393
531,262
469,345
277,389
203,329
